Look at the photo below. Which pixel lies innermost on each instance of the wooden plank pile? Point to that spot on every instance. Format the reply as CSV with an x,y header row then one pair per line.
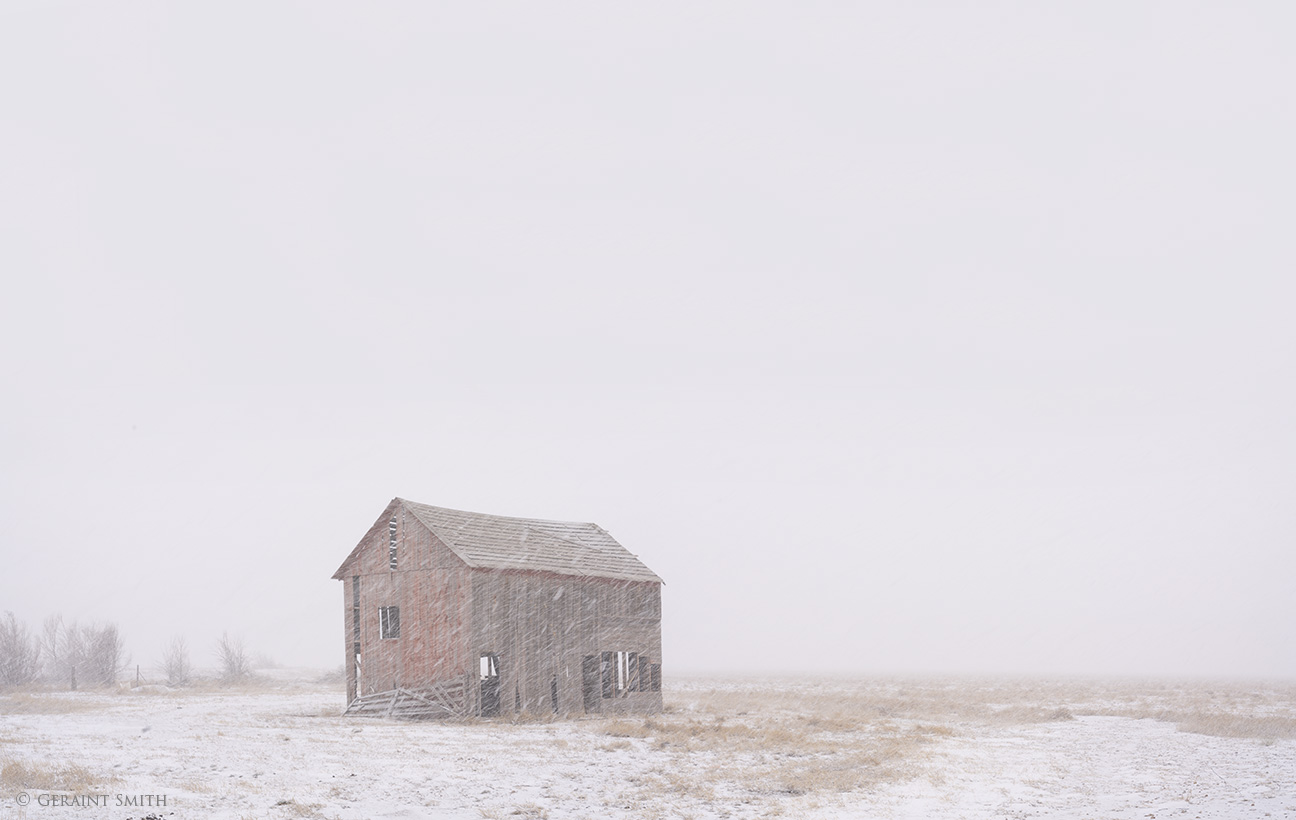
x,y
441,700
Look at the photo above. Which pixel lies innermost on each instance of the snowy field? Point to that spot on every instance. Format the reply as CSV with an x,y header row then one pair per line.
x,y
725,748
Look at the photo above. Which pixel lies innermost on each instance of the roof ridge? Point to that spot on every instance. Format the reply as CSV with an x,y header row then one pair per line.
x,y
504,517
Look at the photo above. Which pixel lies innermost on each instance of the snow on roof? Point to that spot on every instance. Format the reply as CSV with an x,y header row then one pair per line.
x,y
501,542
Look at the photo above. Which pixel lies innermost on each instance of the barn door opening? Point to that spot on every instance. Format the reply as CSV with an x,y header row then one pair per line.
x,y
490,684
590,683
356,657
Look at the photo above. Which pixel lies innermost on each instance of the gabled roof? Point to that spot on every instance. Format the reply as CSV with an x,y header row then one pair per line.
x,y
500,542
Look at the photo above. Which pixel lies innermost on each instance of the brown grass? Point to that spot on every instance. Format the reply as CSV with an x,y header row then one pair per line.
x,y
1262,711
773,740
27,703
65,777
1219,725
293,808
769,743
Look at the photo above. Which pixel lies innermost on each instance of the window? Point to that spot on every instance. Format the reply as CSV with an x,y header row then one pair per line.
x,y
389,621
630,681
621,673
355,609
607,673
649,678
391,544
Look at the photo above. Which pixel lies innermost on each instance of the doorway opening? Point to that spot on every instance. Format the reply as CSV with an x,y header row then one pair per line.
x,y
490,684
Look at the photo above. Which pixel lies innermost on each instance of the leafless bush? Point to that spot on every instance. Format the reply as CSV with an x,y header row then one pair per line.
x,y
53,650
105,654
19,653
232,656
175,662
90,654
63,651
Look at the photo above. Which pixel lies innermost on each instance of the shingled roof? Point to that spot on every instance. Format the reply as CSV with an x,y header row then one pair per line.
x,y
501,542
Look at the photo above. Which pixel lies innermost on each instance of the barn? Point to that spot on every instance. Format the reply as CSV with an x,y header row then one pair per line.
x,y
451,614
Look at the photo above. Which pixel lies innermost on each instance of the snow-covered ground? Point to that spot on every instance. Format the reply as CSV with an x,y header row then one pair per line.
x,y
731,748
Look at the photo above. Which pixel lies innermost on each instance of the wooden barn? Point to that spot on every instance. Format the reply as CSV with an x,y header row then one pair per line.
x,y
453,613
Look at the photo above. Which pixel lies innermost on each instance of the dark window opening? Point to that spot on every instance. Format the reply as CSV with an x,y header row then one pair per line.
x,y
590,683
355,608
391,544
389,621
607,672
654,677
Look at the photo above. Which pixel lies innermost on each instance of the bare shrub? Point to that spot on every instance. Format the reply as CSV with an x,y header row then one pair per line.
x,y
105,654
19,653
175,662
232,656
91,654
54,651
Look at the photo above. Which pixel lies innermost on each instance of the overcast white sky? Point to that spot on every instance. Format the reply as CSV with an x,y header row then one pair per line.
x,y
896,337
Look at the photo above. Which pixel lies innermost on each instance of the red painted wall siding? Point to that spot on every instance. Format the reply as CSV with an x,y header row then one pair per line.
x,y
430,585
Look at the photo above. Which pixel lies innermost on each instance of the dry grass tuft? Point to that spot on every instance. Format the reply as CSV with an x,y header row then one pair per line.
x,y
291,808
196,785
627,728
68,777
1018,715
524,811
1222,725
26,703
